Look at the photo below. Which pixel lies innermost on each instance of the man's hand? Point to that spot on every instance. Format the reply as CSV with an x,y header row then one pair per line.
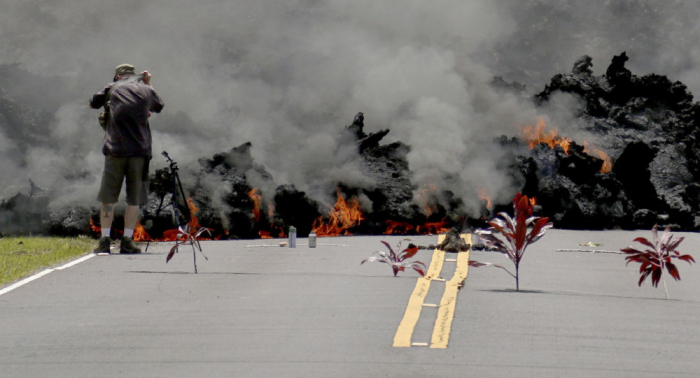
x,y
146,77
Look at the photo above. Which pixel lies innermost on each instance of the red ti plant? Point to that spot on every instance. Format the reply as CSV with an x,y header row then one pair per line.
x,y
397,261
518,233
185,237
657,256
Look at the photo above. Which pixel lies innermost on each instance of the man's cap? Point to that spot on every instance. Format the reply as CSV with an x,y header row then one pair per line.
x,y
124,69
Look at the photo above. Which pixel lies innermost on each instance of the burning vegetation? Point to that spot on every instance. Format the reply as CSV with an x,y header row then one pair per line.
x,y
535,135
340,219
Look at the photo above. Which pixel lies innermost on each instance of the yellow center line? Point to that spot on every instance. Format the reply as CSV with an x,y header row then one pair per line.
x,y
443,323
446,312
402,339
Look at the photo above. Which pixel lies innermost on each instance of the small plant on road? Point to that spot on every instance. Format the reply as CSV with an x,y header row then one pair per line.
x,y
518,233
184,237
397,261
658,256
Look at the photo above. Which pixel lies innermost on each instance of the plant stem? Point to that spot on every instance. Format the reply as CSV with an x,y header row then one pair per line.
x,y
589,250
662,275
517,281
194,255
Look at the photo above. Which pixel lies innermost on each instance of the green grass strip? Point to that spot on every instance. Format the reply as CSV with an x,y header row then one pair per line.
x,y
23,256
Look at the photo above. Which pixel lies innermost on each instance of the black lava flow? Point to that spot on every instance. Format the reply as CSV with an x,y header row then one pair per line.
x,y
648,125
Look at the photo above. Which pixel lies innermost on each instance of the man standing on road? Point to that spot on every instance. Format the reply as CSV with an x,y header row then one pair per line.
x,y
128,102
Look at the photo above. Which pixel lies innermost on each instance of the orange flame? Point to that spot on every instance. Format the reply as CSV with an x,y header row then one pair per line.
x,y
169,235
273,231
194,222
433,227
484,195
344,215
172,234
94,228
423,199
140,233
269,234
538,134
401,228
607,161
393,227
257,202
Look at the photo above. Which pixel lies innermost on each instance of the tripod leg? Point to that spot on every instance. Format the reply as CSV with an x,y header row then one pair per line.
x,y
160,206
173,201
178,186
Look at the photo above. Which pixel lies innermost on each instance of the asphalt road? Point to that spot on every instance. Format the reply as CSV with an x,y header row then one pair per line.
x,y
279,312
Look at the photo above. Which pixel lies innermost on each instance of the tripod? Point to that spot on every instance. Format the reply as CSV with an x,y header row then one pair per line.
x,y
176,191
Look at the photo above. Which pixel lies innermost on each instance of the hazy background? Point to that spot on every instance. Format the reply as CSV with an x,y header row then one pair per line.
x,y
289,75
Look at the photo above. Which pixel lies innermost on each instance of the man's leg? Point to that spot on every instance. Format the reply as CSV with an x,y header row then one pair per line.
x,y
112,178
136,173
127,245
130,217
106,217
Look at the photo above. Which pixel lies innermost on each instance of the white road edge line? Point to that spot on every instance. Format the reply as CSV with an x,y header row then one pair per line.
x,y
45,272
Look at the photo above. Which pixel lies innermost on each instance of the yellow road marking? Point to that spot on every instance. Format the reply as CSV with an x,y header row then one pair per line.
x,y
446,312
446,308
402,338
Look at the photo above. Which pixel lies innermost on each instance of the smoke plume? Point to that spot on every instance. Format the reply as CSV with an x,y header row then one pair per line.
x,y
287,76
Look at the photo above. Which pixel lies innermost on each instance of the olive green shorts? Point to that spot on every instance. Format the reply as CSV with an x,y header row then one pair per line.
x,y
117,169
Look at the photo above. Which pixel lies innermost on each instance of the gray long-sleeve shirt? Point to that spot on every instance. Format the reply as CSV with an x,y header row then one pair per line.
x,y
128,133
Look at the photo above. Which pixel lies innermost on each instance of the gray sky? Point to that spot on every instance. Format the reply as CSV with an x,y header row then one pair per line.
x,y
287,76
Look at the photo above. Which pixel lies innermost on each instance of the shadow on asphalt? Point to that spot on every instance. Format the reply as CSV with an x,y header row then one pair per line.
x,y
272,274
578,294
203,273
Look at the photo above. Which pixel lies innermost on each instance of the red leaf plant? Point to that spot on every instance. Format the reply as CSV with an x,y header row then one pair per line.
x,y
185,237
397,261
518,233
659,255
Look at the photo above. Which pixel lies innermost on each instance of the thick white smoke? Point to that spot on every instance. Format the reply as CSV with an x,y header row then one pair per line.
x,y
287,76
